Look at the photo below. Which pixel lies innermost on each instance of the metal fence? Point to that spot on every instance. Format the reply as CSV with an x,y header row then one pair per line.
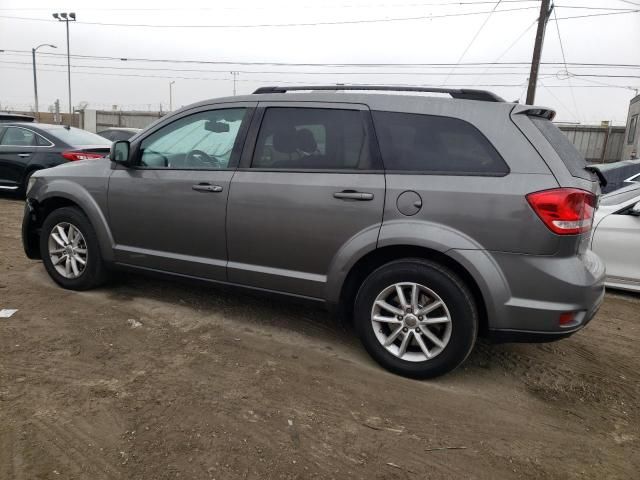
x,y
598,144
97,120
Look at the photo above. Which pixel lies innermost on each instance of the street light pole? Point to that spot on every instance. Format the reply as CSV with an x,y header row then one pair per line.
x,y
35,78
171,95
64,17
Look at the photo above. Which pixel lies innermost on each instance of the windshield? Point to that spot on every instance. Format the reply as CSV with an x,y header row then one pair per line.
x,y
620,196
77,137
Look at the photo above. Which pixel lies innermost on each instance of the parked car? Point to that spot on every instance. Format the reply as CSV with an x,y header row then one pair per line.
x,y
119,133
425,220
15,117
616,237
28,147
618,174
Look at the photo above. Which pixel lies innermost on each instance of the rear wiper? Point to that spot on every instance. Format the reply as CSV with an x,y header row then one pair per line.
x,y
596,171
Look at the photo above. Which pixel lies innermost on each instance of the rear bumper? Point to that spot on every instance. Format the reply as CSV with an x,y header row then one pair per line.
x,y
538,336
526,294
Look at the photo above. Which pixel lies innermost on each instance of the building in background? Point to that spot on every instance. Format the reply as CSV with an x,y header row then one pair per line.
x,y
631,148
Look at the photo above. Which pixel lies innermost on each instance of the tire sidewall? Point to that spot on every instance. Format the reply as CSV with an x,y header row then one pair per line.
x,y
93,271
456,296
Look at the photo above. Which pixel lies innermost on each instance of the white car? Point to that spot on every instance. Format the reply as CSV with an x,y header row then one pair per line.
x,y
616,237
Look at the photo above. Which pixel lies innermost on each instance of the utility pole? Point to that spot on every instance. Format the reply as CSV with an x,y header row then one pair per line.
x,y
170,96
35,78
545,12
64,17
235,77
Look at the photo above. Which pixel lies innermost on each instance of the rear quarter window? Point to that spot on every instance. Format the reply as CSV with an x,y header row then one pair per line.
x,y
435,145
570,156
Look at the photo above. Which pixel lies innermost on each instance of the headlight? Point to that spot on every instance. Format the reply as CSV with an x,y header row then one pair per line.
x,y
32,181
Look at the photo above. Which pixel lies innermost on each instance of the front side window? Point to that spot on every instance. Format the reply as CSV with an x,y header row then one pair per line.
x,y
18,137
633,124
294,138
434,144
202,141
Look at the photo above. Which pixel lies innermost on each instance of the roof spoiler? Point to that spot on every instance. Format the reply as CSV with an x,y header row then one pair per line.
x,y
532,111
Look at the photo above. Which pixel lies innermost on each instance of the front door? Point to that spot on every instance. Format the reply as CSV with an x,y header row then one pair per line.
x,y
168,210
312,183
616,242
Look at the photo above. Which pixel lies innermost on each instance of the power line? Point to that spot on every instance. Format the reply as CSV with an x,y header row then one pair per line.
x,y
284,81
595,15
283,72
510,46
472,40
265,25
315,24
335,64
564,59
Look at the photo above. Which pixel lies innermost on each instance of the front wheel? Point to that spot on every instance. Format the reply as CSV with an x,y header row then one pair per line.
x,y
70,250
416,318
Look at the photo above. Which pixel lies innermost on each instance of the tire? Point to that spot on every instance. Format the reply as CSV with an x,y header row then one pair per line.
x,y
93,273
455,324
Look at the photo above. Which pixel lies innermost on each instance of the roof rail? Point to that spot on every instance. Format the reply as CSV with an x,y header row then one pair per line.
x,y
461,93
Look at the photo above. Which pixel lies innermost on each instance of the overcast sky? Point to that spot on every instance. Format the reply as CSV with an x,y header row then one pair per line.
x,y
453,35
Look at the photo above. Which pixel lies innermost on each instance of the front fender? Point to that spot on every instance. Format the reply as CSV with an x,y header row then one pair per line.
x,y
80,195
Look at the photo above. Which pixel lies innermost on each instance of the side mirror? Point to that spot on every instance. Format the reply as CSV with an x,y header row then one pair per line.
x,y
120,152
635,210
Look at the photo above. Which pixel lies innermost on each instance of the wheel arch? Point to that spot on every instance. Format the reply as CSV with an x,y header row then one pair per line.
x,y
78,198
380,256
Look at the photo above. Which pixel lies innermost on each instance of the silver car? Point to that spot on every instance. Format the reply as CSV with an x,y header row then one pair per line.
x,y
616,237
427,221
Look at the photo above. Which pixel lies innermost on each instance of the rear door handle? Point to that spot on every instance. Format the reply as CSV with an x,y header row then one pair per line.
x,y
24,155
207,187
353,195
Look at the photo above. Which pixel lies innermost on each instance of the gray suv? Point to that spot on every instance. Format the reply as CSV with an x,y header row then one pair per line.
x,y
426,220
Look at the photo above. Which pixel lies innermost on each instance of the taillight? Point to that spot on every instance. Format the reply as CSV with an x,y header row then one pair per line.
x,y
565,211
73,156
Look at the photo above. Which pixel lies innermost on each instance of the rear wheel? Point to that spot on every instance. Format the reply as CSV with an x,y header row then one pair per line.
x,y
70,250
416,318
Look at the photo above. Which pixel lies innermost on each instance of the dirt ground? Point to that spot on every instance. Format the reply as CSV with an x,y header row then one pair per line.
x,y
155,379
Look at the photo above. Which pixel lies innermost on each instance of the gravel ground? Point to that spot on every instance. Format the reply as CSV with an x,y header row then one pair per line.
x,y
154,379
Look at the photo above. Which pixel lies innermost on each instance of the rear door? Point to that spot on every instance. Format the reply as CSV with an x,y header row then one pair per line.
x,y
167,212
18,148
311,183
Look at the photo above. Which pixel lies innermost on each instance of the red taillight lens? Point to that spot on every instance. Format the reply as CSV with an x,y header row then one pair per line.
x,y
565,211
73,156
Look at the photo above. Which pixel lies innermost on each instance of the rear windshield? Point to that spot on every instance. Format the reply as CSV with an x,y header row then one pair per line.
x,y
77,137
621,196
571,157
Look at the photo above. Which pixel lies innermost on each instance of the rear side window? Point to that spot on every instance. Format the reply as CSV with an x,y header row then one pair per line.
x,y
571,157
18,137
436,145
294,138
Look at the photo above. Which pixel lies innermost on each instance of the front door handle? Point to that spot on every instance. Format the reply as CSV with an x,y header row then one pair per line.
x,y
207,187
24,155
353,195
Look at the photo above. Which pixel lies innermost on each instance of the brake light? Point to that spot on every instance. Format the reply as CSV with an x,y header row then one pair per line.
x,y
73,156
565,211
